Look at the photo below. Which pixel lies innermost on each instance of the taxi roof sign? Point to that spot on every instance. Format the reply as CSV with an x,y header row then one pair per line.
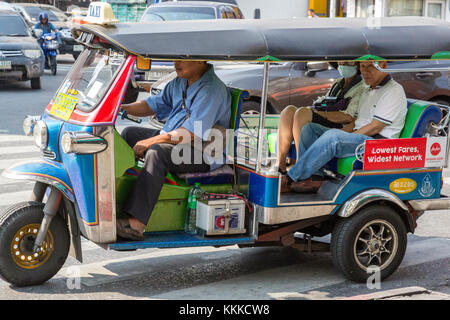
x,y
100,13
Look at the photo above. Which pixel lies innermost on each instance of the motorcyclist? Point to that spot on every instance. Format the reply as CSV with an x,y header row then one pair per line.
x,y
46,26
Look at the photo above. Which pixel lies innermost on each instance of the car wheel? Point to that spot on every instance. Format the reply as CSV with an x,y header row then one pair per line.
x,y
75,55
373,239
254,107
441,101
35,83
20,265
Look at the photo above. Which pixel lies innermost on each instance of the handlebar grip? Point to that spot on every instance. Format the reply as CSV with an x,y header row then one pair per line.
x,y
124,115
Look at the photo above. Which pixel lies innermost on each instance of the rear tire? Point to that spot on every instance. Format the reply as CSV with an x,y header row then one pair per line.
x,y
375,236
35,83
19,226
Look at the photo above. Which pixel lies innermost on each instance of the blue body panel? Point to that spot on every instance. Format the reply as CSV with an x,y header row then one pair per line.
x,y
81,169
428,185
263,191
177,239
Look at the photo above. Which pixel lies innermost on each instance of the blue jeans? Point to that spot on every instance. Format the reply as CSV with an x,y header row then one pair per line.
x,y
318,145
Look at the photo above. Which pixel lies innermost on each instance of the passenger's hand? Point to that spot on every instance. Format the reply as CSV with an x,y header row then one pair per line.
x,y
141,147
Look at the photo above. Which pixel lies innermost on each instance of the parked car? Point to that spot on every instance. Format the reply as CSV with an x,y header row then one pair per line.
x,y
30,12
300,83
183,10
21,57
191,10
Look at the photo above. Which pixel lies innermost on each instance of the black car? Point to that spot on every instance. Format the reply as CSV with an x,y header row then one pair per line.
x,y
30,12
21,57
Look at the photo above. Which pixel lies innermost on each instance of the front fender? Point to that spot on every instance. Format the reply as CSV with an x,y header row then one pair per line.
x,y
46,171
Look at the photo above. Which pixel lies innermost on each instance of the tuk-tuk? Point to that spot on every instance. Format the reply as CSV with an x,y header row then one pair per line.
x,y
86,169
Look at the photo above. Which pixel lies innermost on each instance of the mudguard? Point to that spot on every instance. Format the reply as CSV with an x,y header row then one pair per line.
x,y
46,171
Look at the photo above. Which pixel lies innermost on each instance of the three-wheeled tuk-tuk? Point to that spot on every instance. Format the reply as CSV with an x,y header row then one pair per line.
x,y
87,170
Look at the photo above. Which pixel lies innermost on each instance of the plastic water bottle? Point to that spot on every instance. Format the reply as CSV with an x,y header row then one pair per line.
x,y
191,214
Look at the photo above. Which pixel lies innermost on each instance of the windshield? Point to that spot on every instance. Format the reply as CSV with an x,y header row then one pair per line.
x,y
178,13
90,78
13,26
34,12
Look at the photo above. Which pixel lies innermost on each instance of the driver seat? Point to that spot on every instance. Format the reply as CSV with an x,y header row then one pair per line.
x,y
225,173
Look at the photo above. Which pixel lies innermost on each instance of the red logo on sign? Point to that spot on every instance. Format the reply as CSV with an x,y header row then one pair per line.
x,y
220,222
435,149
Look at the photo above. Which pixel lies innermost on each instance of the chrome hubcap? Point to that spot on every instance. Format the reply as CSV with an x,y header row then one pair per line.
x,y
375,245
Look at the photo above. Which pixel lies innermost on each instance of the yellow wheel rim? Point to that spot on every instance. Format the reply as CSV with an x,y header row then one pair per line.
x,y
22,247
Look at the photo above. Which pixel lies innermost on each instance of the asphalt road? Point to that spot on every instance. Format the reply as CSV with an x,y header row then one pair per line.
x,y
203,273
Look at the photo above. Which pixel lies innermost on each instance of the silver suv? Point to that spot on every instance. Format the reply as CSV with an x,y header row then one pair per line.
x,y
21,57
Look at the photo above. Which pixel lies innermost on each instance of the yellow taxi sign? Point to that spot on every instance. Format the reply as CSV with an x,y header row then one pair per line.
x,y
100,13
143,63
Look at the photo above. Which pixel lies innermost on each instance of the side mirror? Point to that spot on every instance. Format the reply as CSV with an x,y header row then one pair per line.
x,y
314,67
37,33
257,14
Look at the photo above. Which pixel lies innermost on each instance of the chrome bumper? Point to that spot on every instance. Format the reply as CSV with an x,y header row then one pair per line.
x,y
431,204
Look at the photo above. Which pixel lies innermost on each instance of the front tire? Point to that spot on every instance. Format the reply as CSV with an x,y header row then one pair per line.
x,y
35,83
53,64
19,264
374,238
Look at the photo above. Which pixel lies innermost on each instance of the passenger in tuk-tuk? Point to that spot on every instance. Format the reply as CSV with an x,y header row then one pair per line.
x,y
381,115
336,109
196,97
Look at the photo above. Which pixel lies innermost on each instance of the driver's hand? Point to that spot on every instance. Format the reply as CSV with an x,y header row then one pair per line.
x,y
141,147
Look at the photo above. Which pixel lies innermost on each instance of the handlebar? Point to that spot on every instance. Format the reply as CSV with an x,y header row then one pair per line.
x,y
124,115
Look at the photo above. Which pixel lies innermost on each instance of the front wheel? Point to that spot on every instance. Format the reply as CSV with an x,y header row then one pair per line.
x,y
372,240
19,264
35,83
53,64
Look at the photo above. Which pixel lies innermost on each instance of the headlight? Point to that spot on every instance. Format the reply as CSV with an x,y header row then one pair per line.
x,y
29,123
82,143
33,54
40,133
52,45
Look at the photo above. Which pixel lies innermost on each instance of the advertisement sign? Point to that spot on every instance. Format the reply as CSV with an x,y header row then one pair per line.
x,y
404,153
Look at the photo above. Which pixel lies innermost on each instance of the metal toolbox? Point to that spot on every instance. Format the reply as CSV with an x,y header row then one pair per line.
x,y
221,216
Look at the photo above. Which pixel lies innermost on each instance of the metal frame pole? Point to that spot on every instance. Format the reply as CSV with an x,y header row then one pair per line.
x,y
262,116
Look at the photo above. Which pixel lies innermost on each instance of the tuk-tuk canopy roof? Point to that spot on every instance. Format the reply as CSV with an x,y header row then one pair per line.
x,y
286,40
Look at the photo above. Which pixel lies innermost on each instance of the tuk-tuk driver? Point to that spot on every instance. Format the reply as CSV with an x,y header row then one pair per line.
x,y
196,95
381,115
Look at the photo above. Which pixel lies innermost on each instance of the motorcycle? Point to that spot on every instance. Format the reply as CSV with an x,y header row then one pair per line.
x,y
50,46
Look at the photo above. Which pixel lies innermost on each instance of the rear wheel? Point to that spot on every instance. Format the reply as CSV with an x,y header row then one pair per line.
x,y
35,83
19,264
373,239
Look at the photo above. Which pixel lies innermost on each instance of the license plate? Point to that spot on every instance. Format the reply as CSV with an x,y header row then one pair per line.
x,y
5,65
77,47
63,106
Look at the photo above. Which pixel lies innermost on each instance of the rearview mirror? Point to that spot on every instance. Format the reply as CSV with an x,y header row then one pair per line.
x,y
37,33
314,67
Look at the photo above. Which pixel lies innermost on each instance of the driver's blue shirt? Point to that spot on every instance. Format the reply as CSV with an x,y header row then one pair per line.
x,y
207,100
46,28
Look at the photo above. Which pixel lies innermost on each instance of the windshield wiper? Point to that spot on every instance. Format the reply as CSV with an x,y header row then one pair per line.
x,y
15,35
